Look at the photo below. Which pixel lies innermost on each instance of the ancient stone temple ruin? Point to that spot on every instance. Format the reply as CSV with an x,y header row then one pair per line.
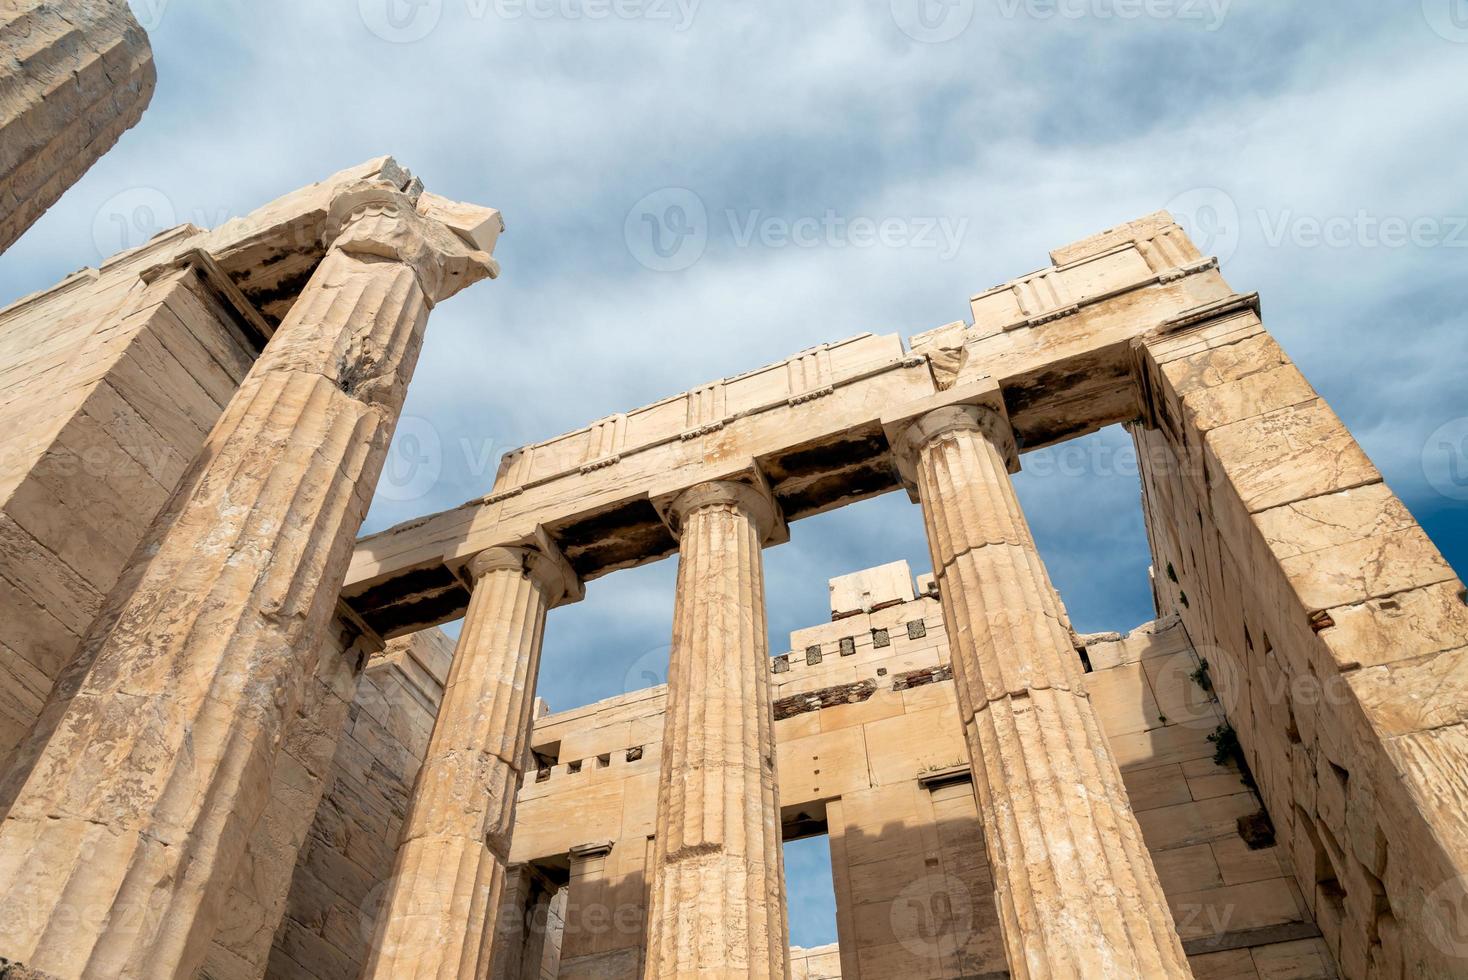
x,y
236,745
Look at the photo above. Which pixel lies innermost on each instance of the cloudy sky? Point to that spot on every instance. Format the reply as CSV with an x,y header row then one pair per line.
x,y
1317,148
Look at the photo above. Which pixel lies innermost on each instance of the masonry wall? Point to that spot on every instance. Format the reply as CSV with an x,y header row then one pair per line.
x,y
108,386
1336,637
77,75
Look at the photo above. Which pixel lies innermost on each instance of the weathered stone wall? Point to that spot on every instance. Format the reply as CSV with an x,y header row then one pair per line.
x,y
349,847
1335,634
108,386
74,76
815,963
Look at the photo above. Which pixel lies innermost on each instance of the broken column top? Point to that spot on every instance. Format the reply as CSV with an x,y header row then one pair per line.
x,y
871,588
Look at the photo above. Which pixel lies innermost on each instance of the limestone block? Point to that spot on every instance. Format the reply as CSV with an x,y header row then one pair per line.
x,y
1404,626
1414,695
1187,869
1123,700
1303,959
1160,746
1231,964
902,748
1239,864
1287,455
1234,908
1198,822
823,765
871,588
1368,568
1157,786
1141,229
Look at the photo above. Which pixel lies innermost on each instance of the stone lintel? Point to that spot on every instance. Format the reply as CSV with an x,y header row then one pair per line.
x,y
253,328
820,436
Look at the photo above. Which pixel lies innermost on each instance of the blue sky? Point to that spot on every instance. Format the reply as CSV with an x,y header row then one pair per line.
x,y
1317,148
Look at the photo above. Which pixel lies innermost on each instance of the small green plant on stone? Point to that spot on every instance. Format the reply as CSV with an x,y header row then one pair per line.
x,y
1201,676
1225,744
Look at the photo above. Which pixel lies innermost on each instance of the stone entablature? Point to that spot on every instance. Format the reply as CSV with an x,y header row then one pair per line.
x,y
813,425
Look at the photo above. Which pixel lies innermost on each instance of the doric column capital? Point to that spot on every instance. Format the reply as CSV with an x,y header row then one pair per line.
x,y
755,502
373,218
952,418
552,575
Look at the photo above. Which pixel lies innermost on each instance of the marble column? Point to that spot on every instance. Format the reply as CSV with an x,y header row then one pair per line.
x,y
718,887
520,925
1077,893
438,917
153,760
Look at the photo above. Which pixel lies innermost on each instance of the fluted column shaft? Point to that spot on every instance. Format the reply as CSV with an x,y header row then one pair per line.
x,y
1077,893
153,760
438,917
77,76
718,887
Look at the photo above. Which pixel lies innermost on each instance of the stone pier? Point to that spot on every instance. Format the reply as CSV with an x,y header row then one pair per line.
x,y
1075,887
151,763
439,913
718,880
